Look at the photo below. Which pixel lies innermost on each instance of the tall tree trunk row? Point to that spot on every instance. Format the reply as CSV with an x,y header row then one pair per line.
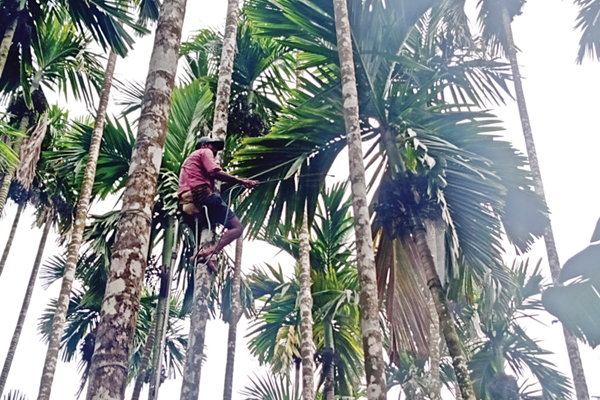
x,y
25,307
141,375
369,304
64,297
307,345
459,360
236,313
11,236
110,363
553,260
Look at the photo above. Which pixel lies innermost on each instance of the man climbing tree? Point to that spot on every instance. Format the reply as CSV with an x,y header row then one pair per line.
x,y
197,190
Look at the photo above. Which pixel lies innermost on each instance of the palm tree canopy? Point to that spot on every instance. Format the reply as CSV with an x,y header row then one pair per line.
x,y
274,337
505,341
105,20
311,128
405,94
491,21
60,60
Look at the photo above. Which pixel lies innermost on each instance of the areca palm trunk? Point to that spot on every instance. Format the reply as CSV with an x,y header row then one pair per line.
x,y
190,388
139,379
447,326
11,237
7,40
329,359
369,304
110,363
307,345
23,314
435,384
170,251
297,365
226,71
202,278
60,316
236,313
571,341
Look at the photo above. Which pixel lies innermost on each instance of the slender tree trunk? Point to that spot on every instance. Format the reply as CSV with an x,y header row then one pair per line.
x,y
11,237
571,341
297,364
456,391
76,237
170,252
7,40
307,344
329,385
369,304
329,360
21,321
190,388
236,313
110,363
435,384
141,375
226,71
459,361
10,173
202,279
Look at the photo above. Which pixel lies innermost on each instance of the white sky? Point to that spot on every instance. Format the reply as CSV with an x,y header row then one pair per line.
x,y
563,107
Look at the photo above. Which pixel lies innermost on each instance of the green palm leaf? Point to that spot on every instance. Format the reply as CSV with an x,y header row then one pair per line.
x,y
71,155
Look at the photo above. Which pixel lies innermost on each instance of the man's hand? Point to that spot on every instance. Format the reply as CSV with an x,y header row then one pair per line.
x,y
248,183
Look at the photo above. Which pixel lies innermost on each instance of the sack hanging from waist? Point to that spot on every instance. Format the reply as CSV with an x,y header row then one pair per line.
x,y
191,200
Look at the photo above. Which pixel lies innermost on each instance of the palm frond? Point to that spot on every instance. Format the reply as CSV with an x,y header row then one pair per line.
x,y
14,395
104,19
490,19
577,303
71,154
588,21
270,387
8,157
